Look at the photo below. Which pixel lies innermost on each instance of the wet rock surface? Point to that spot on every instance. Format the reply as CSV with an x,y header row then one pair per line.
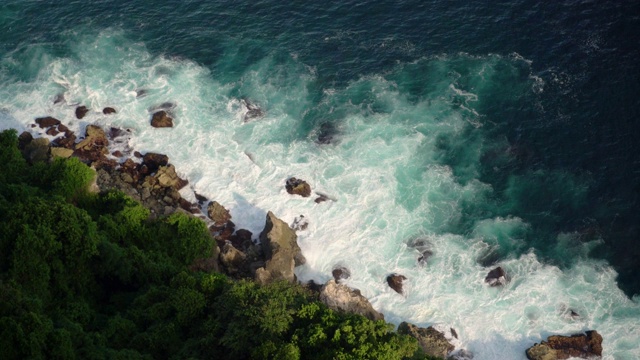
x,y
341,298
298,187
432,341
584,346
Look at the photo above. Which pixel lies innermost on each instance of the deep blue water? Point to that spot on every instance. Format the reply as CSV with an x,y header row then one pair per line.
x,y
556,124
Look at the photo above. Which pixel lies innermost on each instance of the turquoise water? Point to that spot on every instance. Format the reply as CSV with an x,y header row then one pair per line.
x,y
494,135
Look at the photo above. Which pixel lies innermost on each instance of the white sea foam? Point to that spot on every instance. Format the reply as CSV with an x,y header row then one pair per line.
x,y
384,174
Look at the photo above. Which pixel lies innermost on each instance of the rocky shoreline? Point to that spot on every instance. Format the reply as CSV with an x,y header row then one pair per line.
x,y
272,255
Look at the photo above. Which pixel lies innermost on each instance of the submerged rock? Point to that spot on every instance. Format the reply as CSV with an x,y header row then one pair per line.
x,y
300,223
341,298
253,111
432,341
298,187
586,346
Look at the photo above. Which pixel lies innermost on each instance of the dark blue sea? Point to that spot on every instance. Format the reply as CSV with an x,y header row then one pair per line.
x,y
499,133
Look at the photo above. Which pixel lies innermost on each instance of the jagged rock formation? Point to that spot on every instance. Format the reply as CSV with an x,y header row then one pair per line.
x,y
586,346
341,298
432,341
281,250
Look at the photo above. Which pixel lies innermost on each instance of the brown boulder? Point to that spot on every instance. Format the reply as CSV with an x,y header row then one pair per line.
x,y
432,341
95,140
395,282
341,298
61,152
45,122
298,187
218,213
81,111
161,119
586,346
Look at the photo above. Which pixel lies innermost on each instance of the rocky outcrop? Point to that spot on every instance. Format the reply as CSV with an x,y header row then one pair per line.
x,y
168,178
585,346
281,251
298,187
496,277
161,119
341,298
45,122
253,111
218,213
432,341
395,282
108,110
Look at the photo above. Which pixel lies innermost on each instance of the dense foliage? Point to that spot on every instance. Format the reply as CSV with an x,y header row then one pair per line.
x,y
90,276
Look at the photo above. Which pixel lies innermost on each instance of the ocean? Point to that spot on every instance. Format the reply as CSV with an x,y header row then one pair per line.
x,y
486,133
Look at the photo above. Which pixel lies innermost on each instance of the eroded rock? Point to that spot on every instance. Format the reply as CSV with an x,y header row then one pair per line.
x,y
432,341
341,298
281,250
218,213
585,346
395,282
161,119
298,187
496,277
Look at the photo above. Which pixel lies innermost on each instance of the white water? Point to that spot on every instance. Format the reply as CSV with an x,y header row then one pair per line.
x,y
383,173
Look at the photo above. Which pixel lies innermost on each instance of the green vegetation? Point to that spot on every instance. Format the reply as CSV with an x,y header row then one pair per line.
x,y
89,276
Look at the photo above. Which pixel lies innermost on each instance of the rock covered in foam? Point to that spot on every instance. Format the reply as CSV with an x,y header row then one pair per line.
x,y
281,250
432,341
496,277
298,187
341,298
300,223
585,346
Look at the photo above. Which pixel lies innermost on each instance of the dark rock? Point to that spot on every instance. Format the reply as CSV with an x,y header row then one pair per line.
x,y
64,129
341,298
340,273
108,110
314,286
584,346
395,282
93,147
161,119
141,93
241,238
137,154
321,198
431,341
496,277
300,223
218,213
52,131
153,161
281,250
117,153
59,99
115,133
422,259
81,111
201,199
45,122
453,333
298,187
